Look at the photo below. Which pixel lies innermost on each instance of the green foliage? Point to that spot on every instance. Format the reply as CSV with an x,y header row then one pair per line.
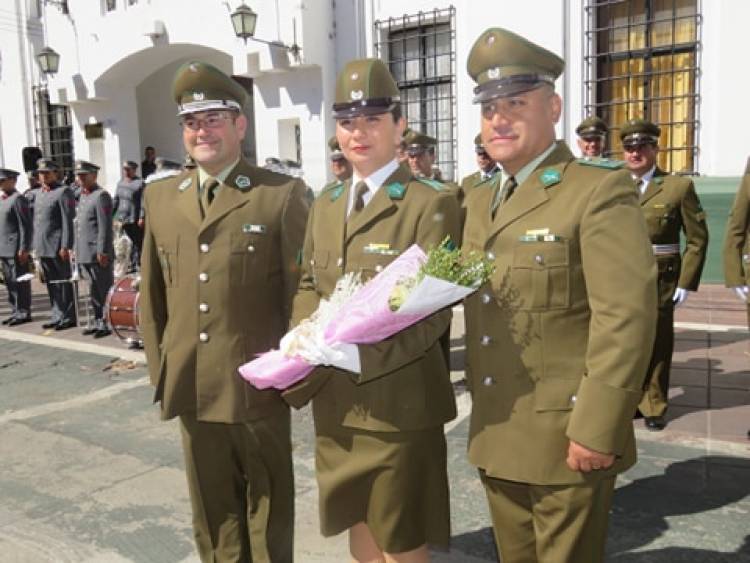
x,y
449,263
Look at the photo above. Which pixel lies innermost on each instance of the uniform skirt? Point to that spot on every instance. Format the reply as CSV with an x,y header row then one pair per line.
x,y
395,482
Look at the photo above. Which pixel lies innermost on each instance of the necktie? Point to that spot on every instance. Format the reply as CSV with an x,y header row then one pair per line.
x,y
207,192
504,194
359,196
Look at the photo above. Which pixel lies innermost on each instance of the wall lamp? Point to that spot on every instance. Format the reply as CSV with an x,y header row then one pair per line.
x,y
244,20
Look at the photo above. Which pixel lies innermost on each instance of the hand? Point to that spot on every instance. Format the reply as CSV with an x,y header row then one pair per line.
x,y
103,260
680,296
23,257
581,458
64,254
742,292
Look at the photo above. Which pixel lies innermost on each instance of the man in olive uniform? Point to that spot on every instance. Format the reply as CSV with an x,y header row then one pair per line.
x,y
127,209
219,270
340,167
670,206
737,243
592,133
54,209
488,169
556,344
94,251
15,243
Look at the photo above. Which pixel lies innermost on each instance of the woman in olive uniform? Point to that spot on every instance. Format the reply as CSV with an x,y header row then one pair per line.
x,y
379,409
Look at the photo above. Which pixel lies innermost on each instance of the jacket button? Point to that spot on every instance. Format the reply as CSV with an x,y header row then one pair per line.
x,y
203,276
250,248
378,268
539,259
486,298
573,399
204,248
490,255
340,262
203,307
203,337
485,340
487,381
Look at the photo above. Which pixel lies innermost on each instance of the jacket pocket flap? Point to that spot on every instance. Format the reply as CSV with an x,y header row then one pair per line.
x,y
555,394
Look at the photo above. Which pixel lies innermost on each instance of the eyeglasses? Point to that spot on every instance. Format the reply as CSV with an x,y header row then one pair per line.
x,y
210,121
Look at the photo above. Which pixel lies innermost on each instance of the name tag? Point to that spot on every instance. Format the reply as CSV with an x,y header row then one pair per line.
x,y
254,229
540,238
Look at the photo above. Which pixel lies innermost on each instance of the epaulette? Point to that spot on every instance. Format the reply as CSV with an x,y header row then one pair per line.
x,y
163,175
607,163
434,184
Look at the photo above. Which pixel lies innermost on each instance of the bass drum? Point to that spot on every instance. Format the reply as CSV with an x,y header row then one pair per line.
x,y
122,311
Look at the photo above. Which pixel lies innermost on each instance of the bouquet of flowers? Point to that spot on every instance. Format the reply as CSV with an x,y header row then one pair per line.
x,y
414,286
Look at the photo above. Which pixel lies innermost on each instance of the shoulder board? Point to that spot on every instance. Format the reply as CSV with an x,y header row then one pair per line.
x,y
434,184
607,163
396,190
156,176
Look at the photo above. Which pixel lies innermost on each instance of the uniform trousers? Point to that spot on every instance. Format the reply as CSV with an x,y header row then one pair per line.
x,y
100,280
19,293
656,383
60,291
549,523
241,488
135,234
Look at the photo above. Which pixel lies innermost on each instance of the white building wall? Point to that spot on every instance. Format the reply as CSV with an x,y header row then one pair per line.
x,y
116,69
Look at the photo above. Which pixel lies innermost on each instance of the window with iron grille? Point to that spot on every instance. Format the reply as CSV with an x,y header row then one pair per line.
x,y
642,59
420,51
54,132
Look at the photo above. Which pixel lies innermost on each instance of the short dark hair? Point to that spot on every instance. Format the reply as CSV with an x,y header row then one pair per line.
x,y
396,111
150,148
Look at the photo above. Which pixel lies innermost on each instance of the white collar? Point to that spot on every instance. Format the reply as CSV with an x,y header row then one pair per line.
x,y
647,176
377,178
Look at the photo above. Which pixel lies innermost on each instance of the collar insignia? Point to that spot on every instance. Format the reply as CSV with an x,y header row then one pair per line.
x,y
336,192
242,182
396,190
550,177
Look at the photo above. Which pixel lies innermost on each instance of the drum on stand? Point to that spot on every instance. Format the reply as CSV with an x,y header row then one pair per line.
x,y
121,309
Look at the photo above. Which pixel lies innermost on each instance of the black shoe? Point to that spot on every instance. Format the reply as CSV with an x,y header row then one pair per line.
x,y
8,320
89,331
65,325
19,321
655,423
51,324
102,332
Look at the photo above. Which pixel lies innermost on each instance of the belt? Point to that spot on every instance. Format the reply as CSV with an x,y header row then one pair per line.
x,y
664,249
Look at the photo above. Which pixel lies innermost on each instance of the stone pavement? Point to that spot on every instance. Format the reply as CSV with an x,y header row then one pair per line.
x,y
89,473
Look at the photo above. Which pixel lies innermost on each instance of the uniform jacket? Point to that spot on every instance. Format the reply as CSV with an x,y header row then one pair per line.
x,y
15,225
216,291
53,221
671,206
94,230
559,339
737,238
404,383
475,180
127,200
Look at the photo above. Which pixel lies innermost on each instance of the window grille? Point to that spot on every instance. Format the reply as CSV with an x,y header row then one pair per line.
x,y
54,132
642,59
421,53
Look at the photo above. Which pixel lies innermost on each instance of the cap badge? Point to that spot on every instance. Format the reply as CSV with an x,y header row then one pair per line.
x,y
185,184
356,95
242,182
355,75
198,96
490,39
494,73
193,67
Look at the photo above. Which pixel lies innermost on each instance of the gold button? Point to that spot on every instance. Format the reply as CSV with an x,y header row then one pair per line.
x,y
487,381
203,307
205,248
203,276
250,248
539,259
340,262
203,337
485,340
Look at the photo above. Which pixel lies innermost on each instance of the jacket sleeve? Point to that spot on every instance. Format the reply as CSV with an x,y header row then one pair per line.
x,y
67,204
104,222
153,303
294,221
696,237
23,217
623,315
735,238
440,218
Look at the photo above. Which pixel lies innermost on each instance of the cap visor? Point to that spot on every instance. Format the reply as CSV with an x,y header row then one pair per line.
x,y
503,89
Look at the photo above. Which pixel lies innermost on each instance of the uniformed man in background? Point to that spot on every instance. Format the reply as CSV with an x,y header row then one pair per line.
x,y
54,210
127,209
556,344
488,169
737,243
15,244
592,134
401,154
671,206
340,167
94,251
219,270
